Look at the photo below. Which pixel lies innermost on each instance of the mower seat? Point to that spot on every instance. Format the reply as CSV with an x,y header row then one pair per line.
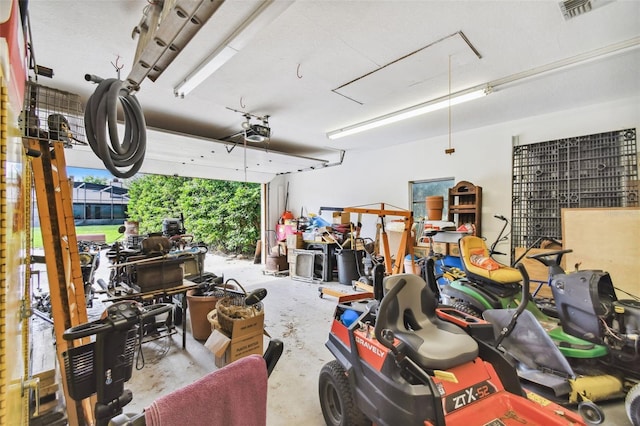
x,y
411,315
479,265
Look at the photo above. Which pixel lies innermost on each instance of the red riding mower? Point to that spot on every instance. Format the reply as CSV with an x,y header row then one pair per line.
x,y
400,360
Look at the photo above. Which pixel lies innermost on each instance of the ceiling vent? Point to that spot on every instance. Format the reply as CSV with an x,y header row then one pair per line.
x,y
573,8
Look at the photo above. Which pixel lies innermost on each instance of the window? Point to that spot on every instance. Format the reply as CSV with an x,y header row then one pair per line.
x,y
427,188
82,211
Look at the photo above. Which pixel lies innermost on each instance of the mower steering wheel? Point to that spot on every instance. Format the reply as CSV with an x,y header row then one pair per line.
x,y
544,256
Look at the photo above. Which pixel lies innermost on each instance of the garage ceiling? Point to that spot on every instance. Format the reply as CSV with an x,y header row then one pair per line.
x,y
323,65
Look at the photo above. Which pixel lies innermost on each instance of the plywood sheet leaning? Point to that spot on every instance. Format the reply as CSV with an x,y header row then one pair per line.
x,y
605,239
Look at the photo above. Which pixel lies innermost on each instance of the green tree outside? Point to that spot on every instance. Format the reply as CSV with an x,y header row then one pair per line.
x,y
95,179
224,215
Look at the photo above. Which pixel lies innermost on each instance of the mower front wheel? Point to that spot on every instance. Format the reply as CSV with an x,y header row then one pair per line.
x,y
591,412
336,399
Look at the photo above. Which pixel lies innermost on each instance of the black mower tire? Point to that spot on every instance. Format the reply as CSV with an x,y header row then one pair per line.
x,y
632,405
336,398
467,309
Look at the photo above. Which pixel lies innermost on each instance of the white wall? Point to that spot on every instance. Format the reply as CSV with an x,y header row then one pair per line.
x,y
483,157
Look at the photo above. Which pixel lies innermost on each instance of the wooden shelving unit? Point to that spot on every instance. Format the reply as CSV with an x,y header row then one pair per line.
x,y
465,205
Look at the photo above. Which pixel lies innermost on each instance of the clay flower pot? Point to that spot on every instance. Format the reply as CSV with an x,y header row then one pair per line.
x,y
434,205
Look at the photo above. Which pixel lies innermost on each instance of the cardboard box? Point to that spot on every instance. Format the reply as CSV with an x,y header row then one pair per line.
x,y
440,248
227,349
245,339
341,218
295,241
454,249
248,326
421,251
241,328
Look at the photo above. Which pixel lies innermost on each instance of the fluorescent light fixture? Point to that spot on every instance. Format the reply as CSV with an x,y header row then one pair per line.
x,y
205,70
480,91
410,112
262,16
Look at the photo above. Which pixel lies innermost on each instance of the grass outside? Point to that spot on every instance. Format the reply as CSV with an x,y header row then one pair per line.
x,y
110,232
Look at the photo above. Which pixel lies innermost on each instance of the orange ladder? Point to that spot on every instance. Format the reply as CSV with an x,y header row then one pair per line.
x,y
66,286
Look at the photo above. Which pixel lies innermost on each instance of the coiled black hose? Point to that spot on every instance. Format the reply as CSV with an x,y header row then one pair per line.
x,y
101,113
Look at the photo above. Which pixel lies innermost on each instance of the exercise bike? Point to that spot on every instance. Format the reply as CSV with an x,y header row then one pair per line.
x,y
401,360
102,367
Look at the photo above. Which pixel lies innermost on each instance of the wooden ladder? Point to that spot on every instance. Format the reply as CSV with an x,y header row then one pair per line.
x,y
66,286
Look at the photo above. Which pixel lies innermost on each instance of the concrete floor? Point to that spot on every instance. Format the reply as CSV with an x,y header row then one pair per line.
x,y
295,314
